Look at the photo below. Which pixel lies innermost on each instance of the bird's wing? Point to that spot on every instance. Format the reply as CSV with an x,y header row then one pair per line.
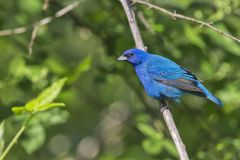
x,y
167,72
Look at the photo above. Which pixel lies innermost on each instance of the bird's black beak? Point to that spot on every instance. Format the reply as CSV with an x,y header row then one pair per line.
x,y
122,58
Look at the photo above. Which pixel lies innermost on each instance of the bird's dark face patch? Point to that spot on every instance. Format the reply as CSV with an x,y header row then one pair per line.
x,y
133,56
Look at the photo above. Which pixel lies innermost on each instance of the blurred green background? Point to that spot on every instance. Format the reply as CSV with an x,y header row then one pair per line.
x,y
108,116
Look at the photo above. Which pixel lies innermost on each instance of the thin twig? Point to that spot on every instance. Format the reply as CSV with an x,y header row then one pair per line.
x,y
164,109
144,22
33,37
35,30
42,22
45,5
17,30
16,137
175,15
2,131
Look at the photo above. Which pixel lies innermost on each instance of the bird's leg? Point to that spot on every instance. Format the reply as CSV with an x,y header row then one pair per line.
x,y
170,101
163,105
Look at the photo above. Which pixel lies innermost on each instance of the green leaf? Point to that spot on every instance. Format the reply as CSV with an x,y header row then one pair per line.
x,y
43,101
142,117
169,146
51,117
230,97
193,36
224,42
82,67
47,95
149,131
50,105
35,137
19,110
152,146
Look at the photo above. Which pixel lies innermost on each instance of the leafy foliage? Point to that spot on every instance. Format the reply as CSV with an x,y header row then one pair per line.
x,y
44,100
109,117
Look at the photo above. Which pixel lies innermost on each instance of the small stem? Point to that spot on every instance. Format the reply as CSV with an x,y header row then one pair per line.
x,y
16,137
2,137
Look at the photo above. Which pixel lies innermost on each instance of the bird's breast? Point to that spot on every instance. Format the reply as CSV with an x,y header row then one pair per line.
x,y
143,75
150,86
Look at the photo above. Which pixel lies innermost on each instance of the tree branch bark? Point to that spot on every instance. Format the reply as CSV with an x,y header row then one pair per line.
x,y
164,107
133,24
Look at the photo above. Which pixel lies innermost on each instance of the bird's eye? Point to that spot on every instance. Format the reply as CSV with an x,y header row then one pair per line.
x,y
131,54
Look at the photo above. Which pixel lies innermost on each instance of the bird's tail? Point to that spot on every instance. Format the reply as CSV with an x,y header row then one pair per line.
x,y
210,96
214,99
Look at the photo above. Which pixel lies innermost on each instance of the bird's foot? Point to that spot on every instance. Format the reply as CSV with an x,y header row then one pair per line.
x,y
163,105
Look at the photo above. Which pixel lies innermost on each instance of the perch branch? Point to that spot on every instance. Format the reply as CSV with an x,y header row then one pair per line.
x,y
164,109
175,15
133,24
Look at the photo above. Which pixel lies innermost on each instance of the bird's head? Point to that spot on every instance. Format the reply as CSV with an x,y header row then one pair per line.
x,y
134,56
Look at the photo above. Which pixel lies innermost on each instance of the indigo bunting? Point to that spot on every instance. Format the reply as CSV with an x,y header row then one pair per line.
x,y
164,79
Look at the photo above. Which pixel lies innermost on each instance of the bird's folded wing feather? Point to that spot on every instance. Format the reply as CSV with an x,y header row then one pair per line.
x,y
169,73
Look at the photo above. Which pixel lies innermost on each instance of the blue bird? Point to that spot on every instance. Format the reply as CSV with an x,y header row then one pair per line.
x,y
164,79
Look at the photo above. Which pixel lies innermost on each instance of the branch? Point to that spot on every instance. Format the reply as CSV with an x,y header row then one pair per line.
x,y
45,5
35,30
42,22
164,109
133,24
144,22
180,16
33,37
173,131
